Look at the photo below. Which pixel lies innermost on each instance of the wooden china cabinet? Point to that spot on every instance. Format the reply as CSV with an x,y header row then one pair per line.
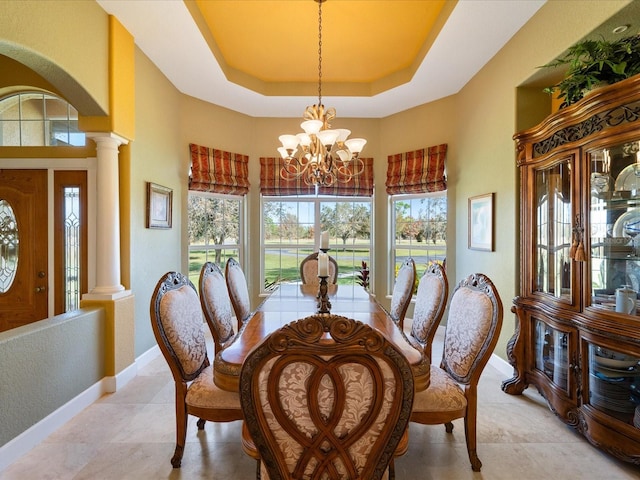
x,y
577,337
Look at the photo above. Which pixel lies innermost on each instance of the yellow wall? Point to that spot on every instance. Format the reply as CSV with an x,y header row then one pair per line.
x,y
67,43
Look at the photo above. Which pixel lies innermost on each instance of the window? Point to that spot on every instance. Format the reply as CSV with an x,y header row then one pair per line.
x,y
70,239
419,227
215,230
291,228
38,119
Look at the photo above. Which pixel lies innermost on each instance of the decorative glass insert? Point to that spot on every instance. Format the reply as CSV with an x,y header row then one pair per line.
x,y
72,248
8,246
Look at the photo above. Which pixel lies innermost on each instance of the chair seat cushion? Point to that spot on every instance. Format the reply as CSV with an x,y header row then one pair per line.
x,y
204,393
443,394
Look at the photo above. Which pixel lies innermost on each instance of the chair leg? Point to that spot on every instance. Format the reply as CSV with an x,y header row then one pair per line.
x,y
201,422
181,426
448,426
470,435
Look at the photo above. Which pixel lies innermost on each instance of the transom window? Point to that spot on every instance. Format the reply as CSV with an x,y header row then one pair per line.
x,y
419,227
35,119
291,228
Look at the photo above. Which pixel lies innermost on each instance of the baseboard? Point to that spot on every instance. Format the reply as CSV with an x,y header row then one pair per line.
x,y
23,443
501,365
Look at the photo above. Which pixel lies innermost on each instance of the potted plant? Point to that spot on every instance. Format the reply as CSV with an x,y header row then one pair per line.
x,y
593,63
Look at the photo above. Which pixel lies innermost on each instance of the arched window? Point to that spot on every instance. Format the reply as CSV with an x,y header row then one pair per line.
x,y
36,119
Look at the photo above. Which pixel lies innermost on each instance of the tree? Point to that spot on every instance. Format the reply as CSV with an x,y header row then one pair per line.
x,y
346,220
212,221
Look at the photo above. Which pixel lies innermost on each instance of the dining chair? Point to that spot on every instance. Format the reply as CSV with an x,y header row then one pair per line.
x,y
216,305
238,290
431,301
473,326
402,291
325,397
309,269
176,320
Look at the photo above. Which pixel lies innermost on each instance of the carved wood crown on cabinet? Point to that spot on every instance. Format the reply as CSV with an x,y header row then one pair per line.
x,y
577,336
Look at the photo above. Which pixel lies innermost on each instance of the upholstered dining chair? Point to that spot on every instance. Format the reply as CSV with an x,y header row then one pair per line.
x,y
402,291
176,319
238,290
473,326
431,301
309,269
216,305
325,397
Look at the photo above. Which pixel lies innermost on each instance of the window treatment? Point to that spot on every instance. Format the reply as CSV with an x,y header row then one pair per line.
x,y
420,171
272,184
217,171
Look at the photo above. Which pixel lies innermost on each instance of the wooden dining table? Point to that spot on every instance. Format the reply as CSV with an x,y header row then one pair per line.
x,y
291,302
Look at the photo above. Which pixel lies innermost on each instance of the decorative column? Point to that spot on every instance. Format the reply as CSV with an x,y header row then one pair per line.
x,y
108,284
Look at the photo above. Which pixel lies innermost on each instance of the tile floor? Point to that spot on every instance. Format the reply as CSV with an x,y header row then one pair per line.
x,y
131,435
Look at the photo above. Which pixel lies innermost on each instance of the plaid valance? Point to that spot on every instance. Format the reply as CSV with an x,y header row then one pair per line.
x,y
271,183
420,171
217,171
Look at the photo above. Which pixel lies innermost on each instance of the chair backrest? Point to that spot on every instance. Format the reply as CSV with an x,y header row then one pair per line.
x,y
473,326
309,270
326,394
402,291
216,304
431,301
238,290
176,319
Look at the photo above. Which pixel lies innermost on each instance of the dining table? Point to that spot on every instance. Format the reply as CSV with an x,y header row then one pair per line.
x,y
293,301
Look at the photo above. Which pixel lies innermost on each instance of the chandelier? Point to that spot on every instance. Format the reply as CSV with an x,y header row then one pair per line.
x,y
319,153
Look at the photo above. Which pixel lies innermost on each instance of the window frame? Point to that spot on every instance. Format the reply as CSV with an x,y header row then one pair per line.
x,y
317,200
240,246
414,246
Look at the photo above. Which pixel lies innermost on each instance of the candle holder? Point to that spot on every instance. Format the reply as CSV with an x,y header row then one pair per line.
x,y
324,305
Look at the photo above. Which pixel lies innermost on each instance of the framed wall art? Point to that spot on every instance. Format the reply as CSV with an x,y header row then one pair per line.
x,y
159,206
481,222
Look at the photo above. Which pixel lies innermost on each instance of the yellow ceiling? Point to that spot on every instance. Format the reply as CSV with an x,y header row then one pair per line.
x,y
368,46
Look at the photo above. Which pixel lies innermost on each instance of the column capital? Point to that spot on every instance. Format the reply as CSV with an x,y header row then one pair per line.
x,y
107,137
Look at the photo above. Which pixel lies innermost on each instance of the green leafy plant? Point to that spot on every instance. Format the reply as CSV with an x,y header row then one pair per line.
x,y
591,63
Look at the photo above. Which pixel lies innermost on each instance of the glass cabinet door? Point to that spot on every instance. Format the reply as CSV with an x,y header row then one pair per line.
x,y
552,353
614,383
615,225
553,230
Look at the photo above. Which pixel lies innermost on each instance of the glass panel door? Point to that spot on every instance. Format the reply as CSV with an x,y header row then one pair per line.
x,y
552,353
615,225
553,230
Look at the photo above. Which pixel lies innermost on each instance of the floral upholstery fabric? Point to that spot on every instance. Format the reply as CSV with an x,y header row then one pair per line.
x,y
469,321
293,396
402,292
181,317
217,300
204,393
238,291
428,301
443,394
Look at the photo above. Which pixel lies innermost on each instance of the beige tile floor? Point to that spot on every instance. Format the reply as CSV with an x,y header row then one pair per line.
x,y
131,435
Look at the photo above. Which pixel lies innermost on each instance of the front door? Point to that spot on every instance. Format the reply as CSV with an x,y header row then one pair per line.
x,y
23,247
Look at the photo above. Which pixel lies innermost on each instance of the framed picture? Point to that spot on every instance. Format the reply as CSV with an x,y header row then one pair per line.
x,y
159,205
481,222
